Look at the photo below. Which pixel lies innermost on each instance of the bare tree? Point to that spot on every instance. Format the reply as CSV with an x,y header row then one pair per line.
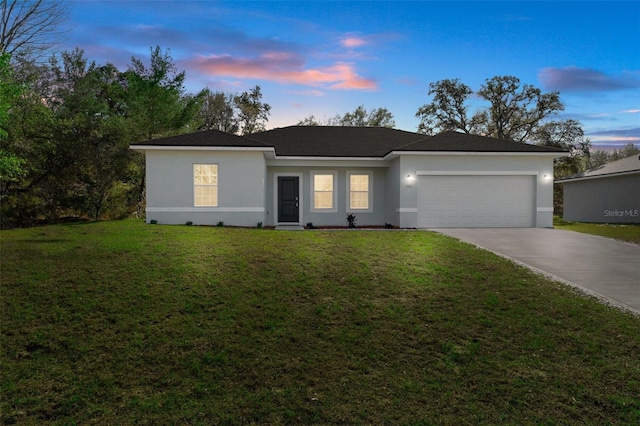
x,y
29,28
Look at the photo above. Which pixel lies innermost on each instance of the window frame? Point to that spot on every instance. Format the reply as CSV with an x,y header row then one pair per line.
x,y
334,198
216,185
368,173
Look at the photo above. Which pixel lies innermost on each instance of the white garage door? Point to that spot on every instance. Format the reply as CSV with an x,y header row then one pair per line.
x,y
476,201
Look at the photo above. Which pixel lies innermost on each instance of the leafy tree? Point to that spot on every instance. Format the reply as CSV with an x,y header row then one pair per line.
x,y
11,166
92,125
598,158
357,118
515,110
360,117
379,117
448,109
27,145
628,150
253,114
155,101
10,89
309,121
30,28
216,112
601,157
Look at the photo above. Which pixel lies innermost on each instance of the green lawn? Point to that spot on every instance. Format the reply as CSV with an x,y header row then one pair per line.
x,y
126,323
629,233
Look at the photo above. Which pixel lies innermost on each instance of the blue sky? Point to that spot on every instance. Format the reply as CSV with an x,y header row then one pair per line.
x,y
327,57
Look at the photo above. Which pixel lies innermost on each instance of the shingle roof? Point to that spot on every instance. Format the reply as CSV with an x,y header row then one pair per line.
x,y
205,138
626,165
335,141
456,141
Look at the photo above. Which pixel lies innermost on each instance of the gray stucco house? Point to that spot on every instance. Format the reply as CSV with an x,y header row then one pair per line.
x,y
298,175
605,194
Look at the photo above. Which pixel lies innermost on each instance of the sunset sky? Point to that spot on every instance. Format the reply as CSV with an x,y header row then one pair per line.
x,y
323,57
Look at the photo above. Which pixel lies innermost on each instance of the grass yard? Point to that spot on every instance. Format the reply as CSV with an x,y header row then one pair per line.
x,y
126,323
624,232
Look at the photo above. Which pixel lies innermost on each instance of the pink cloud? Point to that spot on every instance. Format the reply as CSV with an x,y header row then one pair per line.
x,y
353,42
283,67
631,111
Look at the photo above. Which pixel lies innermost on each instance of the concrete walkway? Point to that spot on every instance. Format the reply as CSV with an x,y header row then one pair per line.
x,y
603,266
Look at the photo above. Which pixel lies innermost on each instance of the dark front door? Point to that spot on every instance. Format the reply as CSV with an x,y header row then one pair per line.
x,y
288,199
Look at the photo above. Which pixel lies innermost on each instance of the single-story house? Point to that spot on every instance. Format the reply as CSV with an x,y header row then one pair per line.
x,y
314,174
605,194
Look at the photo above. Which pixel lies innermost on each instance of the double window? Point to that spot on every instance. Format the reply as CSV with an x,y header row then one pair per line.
x,y
324,193
205,185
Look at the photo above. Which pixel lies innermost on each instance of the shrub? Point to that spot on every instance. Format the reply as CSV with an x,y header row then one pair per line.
x,y
351,218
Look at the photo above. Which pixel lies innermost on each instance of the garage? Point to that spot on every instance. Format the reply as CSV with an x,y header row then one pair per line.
x,y
476,200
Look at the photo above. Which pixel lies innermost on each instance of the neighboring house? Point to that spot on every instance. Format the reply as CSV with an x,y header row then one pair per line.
x,y
605,194
299,175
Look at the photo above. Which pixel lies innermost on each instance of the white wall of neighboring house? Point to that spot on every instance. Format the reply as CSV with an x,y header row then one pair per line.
x,y
611,199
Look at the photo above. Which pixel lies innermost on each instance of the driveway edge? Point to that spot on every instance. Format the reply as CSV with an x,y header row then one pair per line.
x,y
573,286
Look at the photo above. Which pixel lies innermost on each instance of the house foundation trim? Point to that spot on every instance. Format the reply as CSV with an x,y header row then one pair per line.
x,y
478,173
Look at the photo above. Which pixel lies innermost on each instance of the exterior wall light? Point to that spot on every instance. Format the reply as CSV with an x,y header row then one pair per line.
x,y
409,180
546,177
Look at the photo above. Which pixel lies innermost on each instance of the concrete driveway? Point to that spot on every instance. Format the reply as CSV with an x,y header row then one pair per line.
x,y
606,267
